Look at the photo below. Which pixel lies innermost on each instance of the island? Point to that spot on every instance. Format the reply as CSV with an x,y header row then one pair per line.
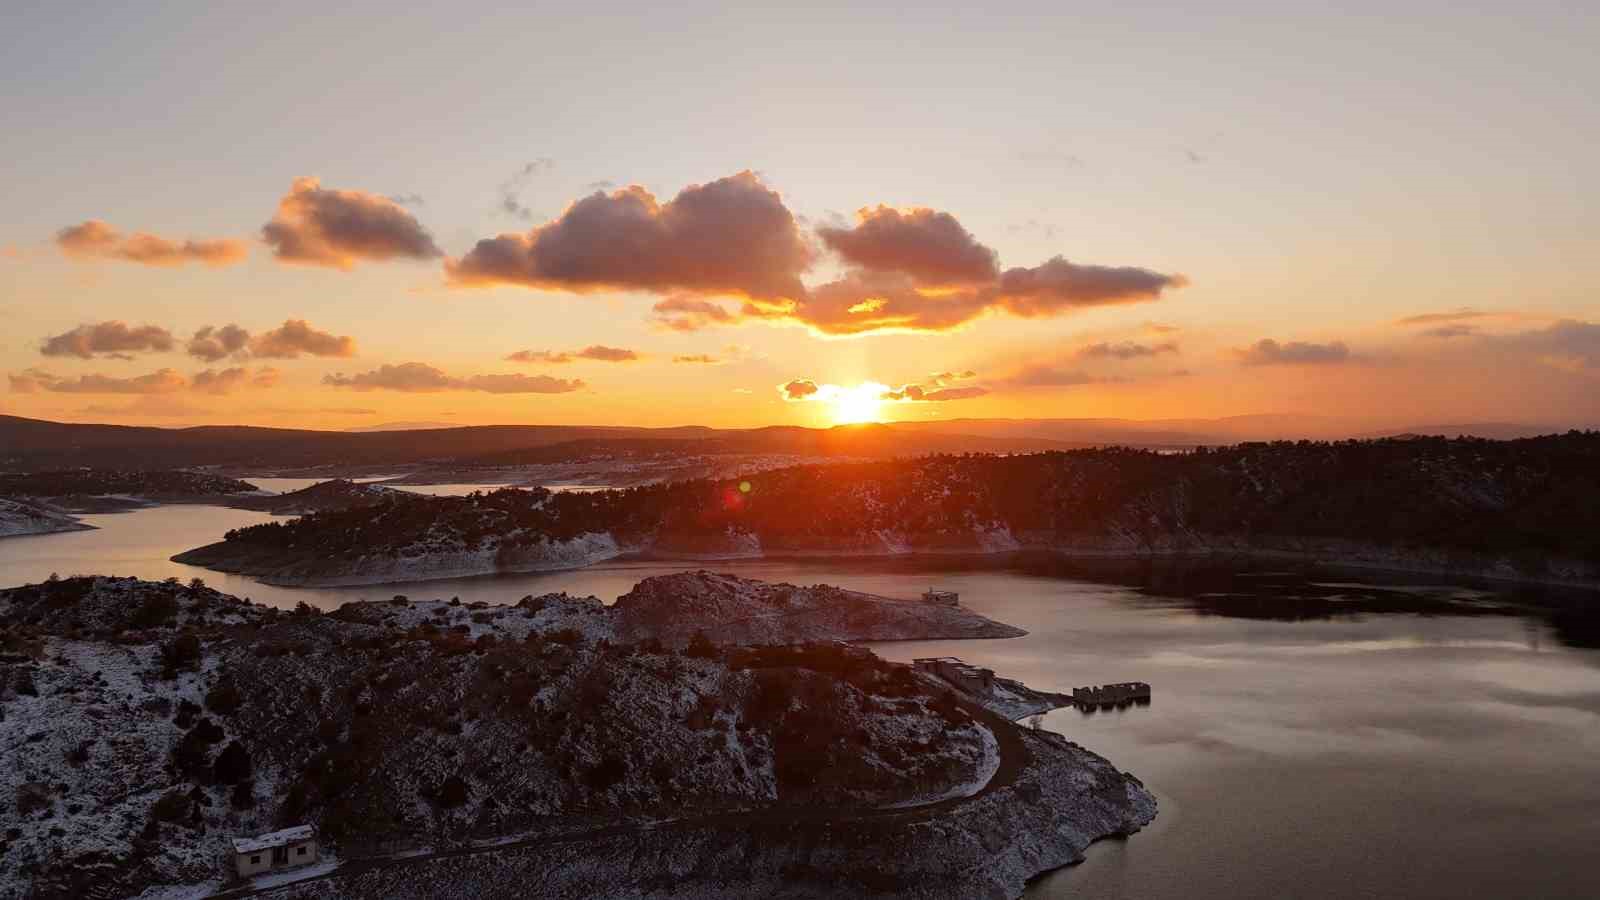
x,y
445,749
1525,509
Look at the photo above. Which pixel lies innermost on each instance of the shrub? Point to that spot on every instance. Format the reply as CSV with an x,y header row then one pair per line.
x,y
171,807
224,698
452,793
233,764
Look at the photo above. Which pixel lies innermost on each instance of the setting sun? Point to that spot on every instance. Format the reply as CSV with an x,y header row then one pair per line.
x,y
862,403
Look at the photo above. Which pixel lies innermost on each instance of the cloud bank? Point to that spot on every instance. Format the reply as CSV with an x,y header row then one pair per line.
x,y
421,378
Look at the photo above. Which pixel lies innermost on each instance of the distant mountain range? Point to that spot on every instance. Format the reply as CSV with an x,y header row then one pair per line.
x,y
27,444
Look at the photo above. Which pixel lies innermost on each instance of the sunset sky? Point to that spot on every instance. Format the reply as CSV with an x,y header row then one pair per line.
x,y
341,215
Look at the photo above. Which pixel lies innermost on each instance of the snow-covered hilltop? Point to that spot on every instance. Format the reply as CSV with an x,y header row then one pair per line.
x,y
541,739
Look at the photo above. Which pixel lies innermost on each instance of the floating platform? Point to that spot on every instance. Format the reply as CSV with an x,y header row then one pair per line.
x,y
1121,694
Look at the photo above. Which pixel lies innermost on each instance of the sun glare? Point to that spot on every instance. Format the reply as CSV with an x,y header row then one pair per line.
x,y
862,403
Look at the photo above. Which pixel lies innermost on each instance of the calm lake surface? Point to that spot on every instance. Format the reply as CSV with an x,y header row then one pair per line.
x,y
1312,735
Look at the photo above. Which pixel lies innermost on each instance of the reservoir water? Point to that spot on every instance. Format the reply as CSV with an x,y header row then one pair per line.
x,y
1311,735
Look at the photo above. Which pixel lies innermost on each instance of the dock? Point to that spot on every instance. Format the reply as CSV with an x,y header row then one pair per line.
x,y
1109,695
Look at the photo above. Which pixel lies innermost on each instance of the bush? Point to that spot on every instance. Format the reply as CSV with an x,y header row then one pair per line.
x,y
172,806
155,611
182,652
224,698
233,764
452,793
244,795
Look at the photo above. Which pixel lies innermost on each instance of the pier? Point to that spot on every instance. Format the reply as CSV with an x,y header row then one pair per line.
x,y
1120,694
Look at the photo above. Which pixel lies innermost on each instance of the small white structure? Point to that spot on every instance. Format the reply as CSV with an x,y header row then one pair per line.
x,y
943,598
276,850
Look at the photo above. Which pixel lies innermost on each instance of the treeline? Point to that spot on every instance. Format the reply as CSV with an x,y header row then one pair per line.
x,y
70,482
1536,496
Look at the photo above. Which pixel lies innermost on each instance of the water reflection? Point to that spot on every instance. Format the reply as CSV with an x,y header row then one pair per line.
x,y
1316,735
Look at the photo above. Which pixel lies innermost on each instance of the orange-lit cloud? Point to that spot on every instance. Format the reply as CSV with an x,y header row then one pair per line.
x,y
1126,350
162,381
291,340
421,378
212,344
1268,352
596,352
1454,315
928,246
317,226
732,236
95,239
688,314
296,337
806,390
907,270
113,339
228,381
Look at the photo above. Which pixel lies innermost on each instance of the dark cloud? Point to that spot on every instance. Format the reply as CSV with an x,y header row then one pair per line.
x,y
928,246
688,314
318,226
95,239
114,339
1268,352
213,343
798,389
595,352
227,381
421,378
296,337
1058,285
162,381
732,236
1126,350
511,188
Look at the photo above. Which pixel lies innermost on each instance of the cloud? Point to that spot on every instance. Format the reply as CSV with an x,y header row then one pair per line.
x,y
1126,350
227,381
597,352
1161,328
1449,331
1268,352
95,239
942,378
212,344
907,270
421,378
511,188
1058,285
1568,344
919,393
732,236
687,314
928,246
115,339
702,358
318,226
807,390
1456,315
798,389
161,381
1041,375
295,337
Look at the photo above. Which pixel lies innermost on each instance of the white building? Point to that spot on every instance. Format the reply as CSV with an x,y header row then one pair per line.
x,y
284,849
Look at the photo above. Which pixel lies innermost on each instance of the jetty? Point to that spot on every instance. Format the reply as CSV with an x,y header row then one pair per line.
x,y
1108,695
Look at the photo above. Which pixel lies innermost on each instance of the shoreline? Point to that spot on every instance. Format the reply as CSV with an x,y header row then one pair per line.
x,y
207,557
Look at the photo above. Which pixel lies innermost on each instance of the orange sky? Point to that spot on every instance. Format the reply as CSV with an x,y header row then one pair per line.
x,y
1018,220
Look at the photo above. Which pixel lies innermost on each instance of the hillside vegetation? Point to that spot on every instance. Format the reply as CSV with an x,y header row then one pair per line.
x,y
1528,506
